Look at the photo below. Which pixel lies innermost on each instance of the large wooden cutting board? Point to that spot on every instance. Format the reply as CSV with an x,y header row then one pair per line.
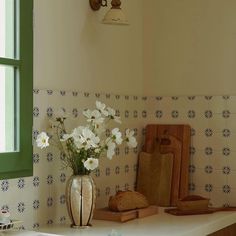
x,y
173,139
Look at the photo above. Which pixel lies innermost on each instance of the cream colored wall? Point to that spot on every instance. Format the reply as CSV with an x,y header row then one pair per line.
x,y
72,50
189,47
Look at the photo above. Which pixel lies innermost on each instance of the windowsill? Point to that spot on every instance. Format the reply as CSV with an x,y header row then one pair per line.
x,y
160,224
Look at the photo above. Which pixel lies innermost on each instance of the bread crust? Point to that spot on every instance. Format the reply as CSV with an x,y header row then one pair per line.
x,y
127,200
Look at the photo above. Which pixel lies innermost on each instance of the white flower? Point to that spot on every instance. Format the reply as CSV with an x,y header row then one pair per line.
x,y
42,140
101,107
112,114
89,139
91,163
110,149
130,139
93,116
116,135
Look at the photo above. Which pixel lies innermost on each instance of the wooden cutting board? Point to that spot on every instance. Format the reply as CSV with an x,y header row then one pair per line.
x,y
106,214
155,177
169,136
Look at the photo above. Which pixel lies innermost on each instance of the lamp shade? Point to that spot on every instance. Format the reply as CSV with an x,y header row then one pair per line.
x,y
115,16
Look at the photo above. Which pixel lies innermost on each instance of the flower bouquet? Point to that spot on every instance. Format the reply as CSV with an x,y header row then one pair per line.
x,y
83,147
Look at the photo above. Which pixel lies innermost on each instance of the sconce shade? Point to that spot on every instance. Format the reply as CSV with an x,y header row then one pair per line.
x,y
115,16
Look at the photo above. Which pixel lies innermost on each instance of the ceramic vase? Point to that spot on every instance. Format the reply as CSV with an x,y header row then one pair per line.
x,y
80,200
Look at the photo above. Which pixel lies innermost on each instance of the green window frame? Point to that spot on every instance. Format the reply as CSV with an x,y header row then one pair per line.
x,y
20,163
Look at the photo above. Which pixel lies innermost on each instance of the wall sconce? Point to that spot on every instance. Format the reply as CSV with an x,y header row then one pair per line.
x,y
114,16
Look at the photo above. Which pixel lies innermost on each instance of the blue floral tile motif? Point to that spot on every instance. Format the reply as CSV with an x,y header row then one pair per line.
x,y
191,114
226,133
35,91
191,98
226,170
192,132
126,114
226,97
208,132
35,111
35,225
36,181
97,172
117,187
117,151
49,201
21,183
49,112
49,157
50,222
158,98
62,219
126,150
144,114
208,151
108,171
226,114
50,92
5,207
75,113
21,207
135,98
226,151
208,97
135,114
98,192
191,187
63,92
108,132
97,95
126,168
35,158
62,199
62,177
159,114
117,97
126,186
86,95
35,133
174,98
117,170
5,185
208,187
107,191
208,114
192,150
226,188
74,93
36,204
175,114
208,169
192,168
49,179
126,97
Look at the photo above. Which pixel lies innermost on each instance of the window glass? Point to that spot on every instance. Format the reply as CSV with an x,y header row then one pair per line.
x,y
8,24
8,109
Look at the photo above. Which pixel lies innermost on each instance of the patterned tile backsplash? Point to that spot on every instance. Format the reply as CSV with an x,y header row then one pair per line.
x,y
40,199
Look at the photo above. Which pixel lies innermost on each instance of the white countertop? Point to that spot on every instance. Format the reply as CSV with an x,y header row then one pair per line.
x,y
161,224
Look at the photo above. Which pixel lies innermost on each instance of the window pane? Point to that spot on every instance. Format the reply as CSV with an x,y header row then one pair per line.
x,y
7,28
8,109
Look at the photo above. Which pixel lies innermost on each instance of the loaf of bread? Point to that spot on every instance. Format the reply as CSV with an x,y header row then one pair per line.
x,y
127,200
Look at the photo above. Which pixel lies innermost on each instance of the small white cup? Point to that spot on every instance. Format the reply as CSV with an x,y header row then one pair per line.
x,y
4,217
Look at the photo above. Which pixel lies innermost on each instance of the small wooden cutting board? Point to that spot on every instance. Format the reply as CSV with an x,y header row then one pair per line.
x,y
106,214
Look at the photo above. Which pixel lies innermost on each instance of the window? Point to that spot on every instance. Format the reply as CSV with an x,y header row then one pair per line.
x,y
16,85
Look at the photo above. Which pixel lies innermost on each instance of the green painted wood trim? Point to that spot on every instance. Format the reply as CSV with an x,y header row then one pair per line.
x,y
19,164
10,62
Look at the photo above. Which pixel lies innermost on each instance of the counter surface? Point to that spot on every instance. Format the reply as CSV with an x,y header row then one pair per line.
x,y
161,224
